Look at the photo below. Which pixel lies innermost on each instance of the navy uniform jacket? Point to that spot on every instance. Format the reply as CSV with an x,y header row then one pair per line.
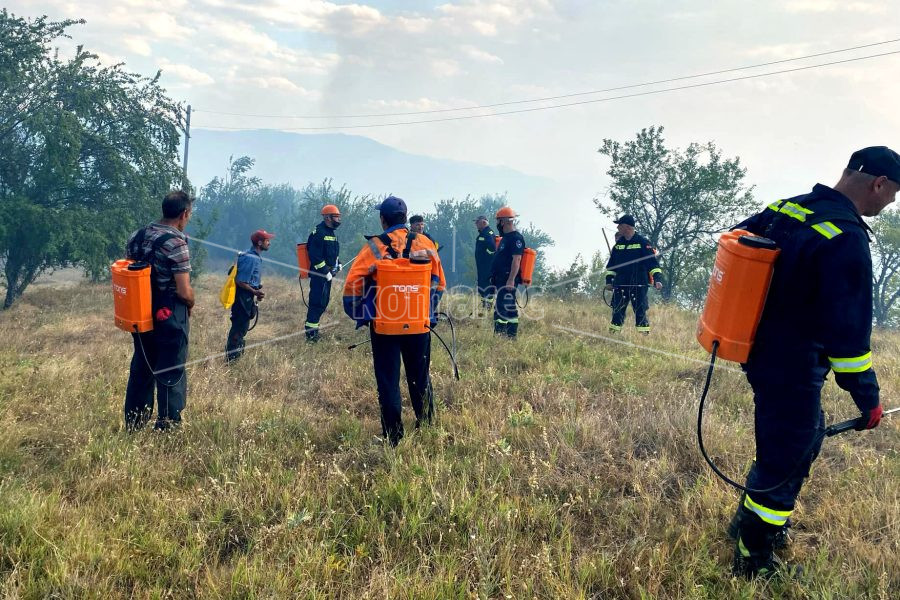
x,y
818,314
323,248
632,262
511,244
485,248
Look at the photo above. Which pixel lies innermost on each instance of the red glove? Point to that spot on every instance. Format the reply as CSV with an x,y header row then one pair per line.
x,y
870,419
166,312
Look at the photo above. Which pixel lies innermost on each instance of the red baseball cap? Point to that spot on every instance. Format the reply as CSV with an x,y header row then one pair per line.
x,y
260,235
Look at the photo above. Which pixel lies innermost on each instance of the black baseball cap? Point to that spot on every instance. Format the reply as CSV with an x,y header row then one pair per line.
x,y
876,161
391,206
416,219
625,220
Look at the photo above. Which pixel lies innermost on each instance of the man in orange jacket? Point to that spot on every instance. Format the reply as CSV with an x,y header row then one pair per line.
x,y
388,350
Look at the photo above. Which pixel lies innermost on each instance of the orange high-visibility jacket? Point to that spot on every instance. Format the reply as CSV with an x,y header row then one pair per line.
x,y
359,287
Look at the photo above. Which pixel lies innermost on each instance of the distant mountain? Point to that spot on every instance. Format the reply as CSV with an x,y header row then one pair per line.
x,y
366,166
369,167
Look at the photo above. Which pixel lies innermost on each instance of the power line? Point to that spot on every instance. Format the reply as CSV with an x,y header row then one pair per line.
x,y
556,106
546,98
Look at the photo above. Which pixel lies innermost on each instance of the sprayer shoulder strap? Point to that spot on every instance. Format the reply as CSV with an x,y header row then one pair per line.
x,y
386,240
409,240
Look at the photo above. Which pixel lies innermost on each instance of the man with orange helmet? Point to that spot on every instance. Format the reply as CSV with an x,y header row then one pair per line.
x,y
505,273
387,350
324,249
817,318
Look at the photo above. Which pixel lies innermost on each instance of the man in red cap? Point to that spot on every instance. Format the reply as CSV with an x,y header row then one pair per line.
x,y
249,291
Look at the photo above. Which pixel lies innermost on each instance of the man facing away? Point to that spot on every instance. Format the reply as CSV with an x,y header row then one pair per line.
x,y
160,354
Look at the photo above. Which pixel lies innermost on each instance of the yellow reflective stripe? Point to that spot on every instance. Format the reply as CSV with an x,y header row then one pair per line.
x,y
489,251
610,273
656,270
480,239
854,364
312,325
320,265
769,515
619,246
775,206
632,246
500,321
329,238
641,328
828,229
794,210
613,327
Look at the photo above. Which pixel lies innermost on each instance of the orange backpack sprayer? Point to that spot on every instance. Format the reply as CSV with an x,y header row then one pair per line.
x,y
403,299
132,297
736,295
735,300
303,260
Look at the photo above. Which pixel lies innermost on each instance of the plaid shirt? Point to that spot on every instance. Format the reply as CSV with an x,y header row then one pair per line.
x,y
172,257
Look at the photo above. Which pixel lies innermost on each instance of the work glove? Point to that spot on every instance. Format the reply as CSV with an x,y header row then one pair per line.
x,y
869,419
329,276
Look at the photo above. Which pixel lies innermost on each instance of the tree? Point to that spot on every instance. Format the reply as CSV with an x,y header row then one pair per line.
x,y
88,153
886,265
678,198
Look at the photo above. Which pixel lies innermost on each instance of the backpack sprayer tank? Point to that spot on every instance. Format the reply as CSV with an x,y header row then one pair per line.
x,y
737,294
526,267
403,299
132,296
303,260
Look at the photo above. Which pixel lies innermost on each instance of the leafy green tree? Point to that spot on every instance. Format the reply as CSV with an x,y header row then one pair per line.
x,y
679,198
87,154
886,265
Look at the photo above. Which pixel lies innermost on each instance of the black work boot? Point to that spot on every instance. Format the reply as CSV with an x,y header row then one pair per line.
x,y
499,327
512,329
750,565
312,335
754,550
782,539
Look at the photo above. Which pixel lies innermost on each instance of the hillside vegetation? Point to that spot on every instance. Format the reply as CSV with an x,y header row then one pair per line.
x,y
559,467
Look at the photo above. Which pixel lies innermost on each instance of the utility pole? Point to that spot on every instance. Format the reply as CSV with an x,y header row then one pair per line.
x,y
453,260
187,143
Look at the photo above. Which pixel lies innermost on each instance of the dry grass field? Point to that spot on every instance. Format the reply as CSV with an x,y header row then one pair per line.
x,y
560,466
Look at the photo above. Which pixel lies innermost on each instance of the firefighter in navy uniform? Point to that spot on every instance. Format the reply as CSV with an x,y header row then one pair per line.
x,y
817,317
506,273
632,266
388,350
485,249
324,249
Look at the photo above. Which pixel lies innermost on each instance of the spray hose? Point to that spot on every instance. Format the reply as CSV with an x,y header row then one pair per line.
x,y
829,431
527,298
451,353
255,315
150,368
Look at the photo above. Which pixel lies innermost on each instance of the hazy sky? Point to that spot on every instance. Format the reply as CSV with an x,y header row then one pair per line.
x,y
310,57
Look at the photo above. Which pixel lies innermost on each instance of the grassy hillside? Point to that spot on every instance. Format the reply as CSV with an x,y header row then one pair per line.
x,y
559,467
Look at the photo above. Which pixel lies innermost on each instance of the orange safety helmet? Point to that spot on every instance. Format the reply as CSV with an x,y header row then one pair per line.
x,y
507,212
330,209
